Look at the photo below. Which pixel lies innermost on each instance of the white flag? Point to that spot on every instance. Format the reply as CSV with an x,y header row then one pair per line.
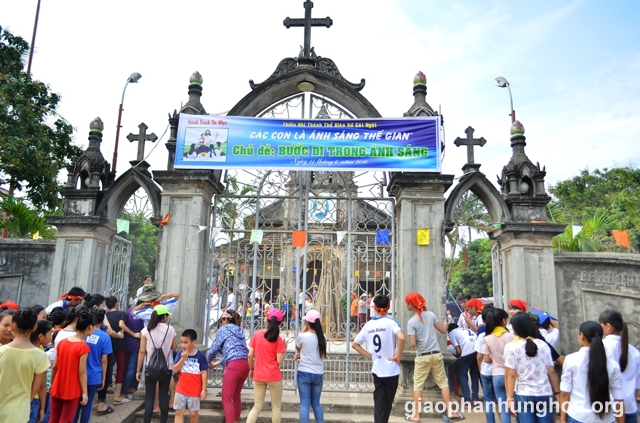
x,y
341,235
576,230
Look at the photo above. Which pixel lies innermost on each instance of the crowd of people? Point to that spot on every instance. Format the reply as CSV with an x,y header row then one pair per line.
x,y
54,361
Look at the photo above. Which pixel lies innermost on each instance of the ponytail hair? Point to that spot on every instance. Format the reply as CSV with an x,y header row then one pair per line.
x,y
273,330
614,318
235,317
155,320
25,319
597,375
524,328
85,319
322,342
98,316
495,317
93,300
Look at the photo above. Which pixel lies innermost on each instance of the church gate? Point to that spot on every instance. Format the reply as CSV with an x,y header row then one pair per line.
x,y
118,269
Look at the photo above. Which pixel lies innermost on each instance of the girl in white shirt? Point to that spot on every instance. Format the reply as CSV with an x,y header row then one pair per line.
x,y
527,360
312,350
617,347
589,381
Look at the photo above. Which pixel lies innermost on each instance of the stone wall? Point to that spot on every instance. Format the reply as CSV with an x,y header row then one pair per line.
x,y
25,270
588,283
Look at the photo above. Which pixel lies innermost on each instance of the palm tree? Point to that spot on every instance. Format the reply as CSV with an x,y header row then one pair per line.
x,y
23,222
593,237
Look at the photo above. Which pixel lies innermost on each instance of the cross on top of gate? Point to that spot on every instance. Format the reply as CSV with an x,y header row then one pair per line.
x,y
470,142
307,23
142,137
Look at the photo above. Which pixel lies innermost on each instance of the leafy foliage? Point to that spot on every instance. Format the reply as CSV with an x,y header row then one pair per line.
x,y
473,276
22,221
236,213
144,251
35,142
601,200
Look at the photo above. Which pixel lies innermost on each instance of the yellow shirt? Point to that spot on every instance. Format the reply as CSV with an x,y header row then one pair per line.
x,y
17,369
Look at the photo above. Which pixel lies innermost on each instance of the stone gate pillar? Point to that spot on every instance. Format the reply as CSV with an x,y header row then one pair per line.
x,y
419,204
526,251
84,237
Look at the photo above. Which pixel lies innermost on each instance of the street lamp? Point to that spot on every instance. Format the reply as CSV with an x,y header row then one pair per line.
x,y
133,78
502,83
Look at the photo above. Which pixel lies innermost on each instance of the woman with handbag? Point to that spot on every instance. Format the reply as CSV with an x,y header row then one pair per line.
x,y
157,335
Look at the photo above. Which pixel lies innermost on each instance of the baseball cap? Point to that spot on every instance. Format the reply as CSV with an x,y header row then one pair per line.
x,y
543,316
161,310
275,312
312,316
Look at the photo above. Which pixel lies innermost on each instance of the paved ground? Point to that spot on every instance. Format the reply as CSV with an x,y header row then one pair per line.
x,y
328,398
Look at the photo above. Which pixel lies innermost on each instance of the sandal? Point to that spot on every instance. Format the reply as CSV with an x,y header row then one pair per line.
x,y
409,419
124,400
109,410
446,419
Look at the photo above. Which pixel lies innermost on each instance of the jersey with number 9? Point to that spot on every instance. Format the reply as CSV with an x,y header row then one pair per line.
x,y
379,333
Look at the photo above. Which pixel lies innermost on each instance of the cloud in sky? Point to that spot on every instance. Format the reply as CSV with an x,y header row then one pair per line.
x,y
572,66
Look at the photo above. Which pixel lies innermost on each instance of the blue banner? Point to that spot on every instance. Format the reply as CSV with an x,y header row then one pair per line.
x,y
214,142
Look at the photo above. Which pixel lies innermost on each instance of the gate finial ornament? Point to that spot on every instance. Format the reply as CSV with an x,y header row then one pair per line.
x,y
307,23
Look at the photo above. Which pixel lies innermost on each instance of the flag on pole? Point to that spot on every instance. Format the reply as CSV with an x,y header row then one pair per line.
x,y
299,239
621,237
122,225
256,236
341,235
382,237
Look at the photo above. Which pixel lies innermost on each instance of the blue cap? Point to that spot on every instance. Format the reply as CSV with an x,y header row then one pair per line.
x,y
543,316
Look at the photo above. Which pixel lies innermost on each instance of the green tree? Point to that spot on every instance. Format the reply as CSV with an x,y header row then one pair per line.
x,y
35,142
475,277
594,236
22,221
610,196
144,250
236,213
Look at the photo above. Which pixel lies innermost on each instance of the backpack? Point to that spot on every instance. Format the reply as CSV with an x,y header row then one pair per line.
x,y
157,367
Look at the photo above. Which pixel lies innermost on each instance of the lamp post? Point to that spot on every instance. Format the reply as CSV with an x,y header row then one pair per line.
x,y
133,78
33,39
502,83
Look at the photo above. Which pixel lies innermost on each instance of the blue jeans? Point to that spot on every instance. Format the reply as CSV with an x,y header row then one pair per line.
x,y
631,418
468,364
83,415
35,410
310,388
489,398
501,398
452,370
534,409
129,372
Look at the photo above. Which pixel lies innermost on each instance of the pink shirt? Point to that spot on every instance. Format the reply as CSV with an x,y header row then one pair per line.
x,y
266,364
494,346
158,334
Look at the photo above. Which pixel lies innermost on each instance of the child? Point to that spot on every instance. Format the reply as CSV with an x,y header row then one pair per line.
x,y
39,405
463,340
380,334
69,372
192,367
22,368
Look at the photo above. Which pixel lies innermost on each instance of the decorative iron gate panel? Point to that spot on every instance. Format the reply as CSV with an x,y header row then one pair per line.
x,y
118,270
349,252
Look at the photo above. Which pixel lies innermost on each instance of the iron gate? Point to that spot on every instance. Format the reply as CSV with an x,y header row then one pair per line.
x,y
118,270
349,252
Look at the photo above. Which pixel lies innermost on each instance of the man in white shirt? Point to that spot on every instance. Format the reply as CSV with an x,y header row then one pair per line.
x,y
380,334
214,306
301,298
231,300
464,341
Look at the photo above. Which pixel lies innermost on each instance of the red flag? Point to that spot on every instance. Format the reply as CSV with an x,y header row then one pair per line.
x,y
165,220
299,239
621,237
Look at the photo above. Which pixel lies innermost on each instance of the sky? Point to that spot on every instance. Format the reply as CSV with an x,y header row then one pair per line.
x,y
573,67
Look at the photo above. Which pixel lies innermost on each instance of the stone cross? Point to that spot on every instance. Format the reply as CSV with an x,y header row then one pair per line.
x,y
470,142
142,137
307,23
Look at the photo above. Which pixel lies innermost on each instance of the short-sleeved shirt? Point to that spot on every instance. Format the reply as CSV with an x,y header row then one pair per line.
x,y
380,335
310,360
63,334
155,340
17,369
425,333
266,364
630,375
131,343
494,347
114,318
486,369
231,301
532,372
574,380
552,336
145,313
100,344
465,339
66,384
190,376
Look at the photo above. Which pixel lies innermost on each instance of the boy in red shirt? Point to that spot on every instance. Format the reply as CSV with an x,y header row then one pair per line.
x,y
191,366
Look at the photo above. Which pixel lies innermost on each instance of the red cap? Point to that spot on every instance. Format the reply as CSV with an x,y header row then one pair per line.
x,y
9,305
474,302
521,304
